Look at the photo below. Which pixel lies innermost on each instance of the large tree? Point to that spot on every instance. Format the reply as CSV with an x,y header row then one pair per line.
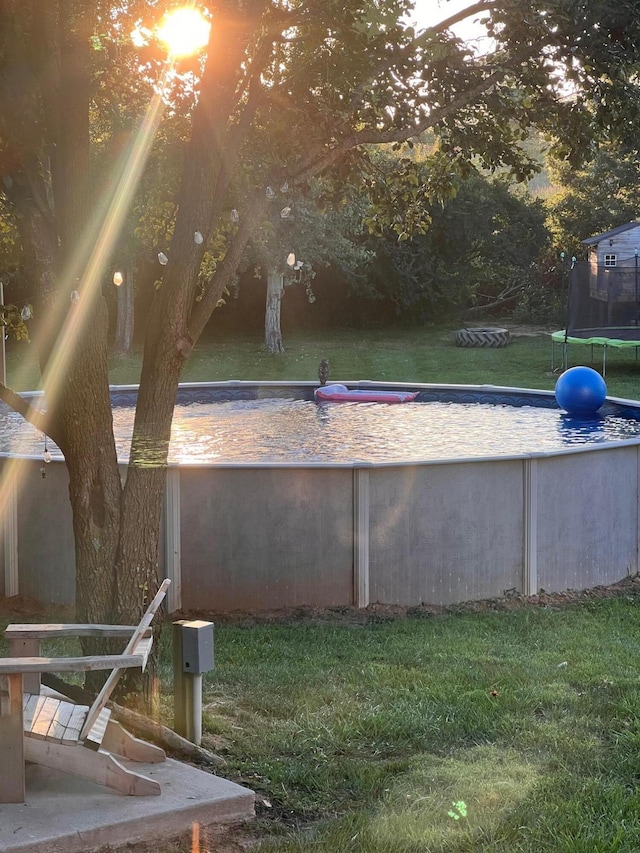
x,y
302,236
289,89
480,248
603,195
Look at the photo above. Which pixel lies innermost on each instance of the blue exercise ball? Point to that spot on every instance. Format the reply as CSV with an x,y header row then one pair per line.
x,y
580,391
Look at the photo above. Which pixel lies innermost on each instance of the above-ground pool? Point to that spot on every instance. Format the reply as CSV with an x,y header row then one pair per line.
x,y
211,425
275,500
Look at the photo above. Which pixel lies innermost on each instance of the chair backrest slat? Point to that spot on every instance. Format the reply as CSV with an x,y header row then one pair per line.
x,y
105,694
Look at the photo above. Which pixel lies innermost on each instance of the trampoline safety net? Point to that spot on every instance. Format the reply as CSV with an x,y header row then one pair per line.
x,y
604,302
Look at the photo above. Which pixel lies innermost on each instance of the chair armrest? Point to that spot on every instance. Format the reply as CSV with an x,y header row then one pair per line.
x,y
10,666
143,649
35,631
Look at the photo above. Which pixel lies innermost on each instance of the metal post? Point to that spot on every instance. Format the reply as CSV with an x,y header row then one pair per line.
x,y
3,359
171,534
636,254
192,655
563,283
361,537
566,299
194,717
9,531
530,554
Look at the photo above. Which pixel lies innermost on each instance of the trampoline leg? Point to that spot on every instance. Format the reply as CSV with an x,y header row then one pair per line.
x,y
604,361
565,356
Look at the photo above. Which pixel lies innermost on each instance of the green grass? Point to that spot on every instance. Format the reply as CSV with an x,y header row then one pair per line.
x,y
399,355
362,737
511,731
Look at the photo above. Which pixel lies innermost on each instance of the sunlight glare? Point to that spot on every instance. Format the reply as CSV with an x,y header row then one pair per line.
x,y
184,31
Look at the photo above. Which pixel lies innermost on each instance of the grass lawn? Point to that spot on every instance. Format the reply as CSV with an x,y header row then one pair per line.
x,y
509,729
362,737
399,355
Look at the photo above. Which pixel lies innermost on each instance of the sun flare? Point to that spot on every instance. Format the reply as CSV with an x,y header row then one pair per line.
x,y
184,31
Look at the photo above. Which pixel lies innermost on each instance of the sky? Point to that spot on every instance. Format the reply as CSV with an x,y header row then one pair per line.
x,y
429,12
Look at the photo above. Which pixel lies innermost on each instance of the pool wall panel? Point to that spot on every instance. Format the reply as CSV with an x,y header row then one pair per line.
x,y
587,518
437,533
445,533
46,548
266,538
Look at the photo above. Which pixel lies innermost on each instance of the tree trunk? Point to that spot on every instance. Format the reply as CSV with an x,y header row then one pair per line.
x,y
275,292
124,326
75,374
116,527
176,320
95,488
69,327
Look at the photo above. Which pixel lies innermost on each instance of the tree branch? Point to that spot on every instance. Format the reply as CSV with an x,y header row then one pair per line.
x,y
499,301
36,417
224,274
138,724
316,164
482,6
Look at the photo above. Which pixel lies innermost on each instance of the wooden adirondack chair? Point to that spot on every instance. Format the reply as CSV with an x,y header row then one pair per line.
x,y
59,734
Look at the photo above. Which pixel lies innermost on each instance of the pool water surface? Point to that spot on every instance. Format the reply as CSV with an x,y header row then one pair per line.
x,y
282,430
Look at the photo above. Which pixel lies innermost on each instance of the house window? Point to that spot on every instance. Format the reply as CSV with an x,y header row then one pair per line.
x,y
610,260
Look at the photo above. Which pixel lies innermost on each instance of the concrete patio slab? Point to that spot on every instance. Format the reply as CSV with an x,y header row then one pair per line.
x,y
65,814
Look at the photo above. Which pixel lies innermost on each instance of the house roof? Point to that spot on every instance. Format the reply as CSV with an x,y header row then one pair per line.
x,y
591,241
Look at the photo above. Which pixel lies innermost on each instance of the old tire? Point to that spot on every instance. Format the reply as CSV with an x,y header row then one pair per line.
x,y
493,338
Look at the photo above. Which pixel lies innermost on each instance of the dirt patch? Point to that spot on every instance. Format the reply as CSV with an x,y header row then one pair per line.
x,y
510,600
21,608
25,607
236,838
523,330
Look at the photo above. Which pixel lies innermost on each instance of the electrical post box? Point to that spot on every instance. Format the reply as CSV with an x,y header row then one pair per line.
x,y
192,656
197,646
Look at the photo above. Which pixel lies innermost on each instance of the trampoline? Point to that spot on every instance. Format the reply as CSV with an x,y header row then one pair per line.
x,y
603,310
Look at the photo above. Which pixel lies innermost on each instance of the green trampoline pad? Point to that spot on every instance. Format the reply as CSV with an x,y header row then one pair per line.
x,y
600,339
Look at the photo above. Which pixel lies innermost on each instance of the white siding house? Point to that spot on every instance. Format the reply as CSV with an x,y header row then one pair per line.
x,y
613,262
